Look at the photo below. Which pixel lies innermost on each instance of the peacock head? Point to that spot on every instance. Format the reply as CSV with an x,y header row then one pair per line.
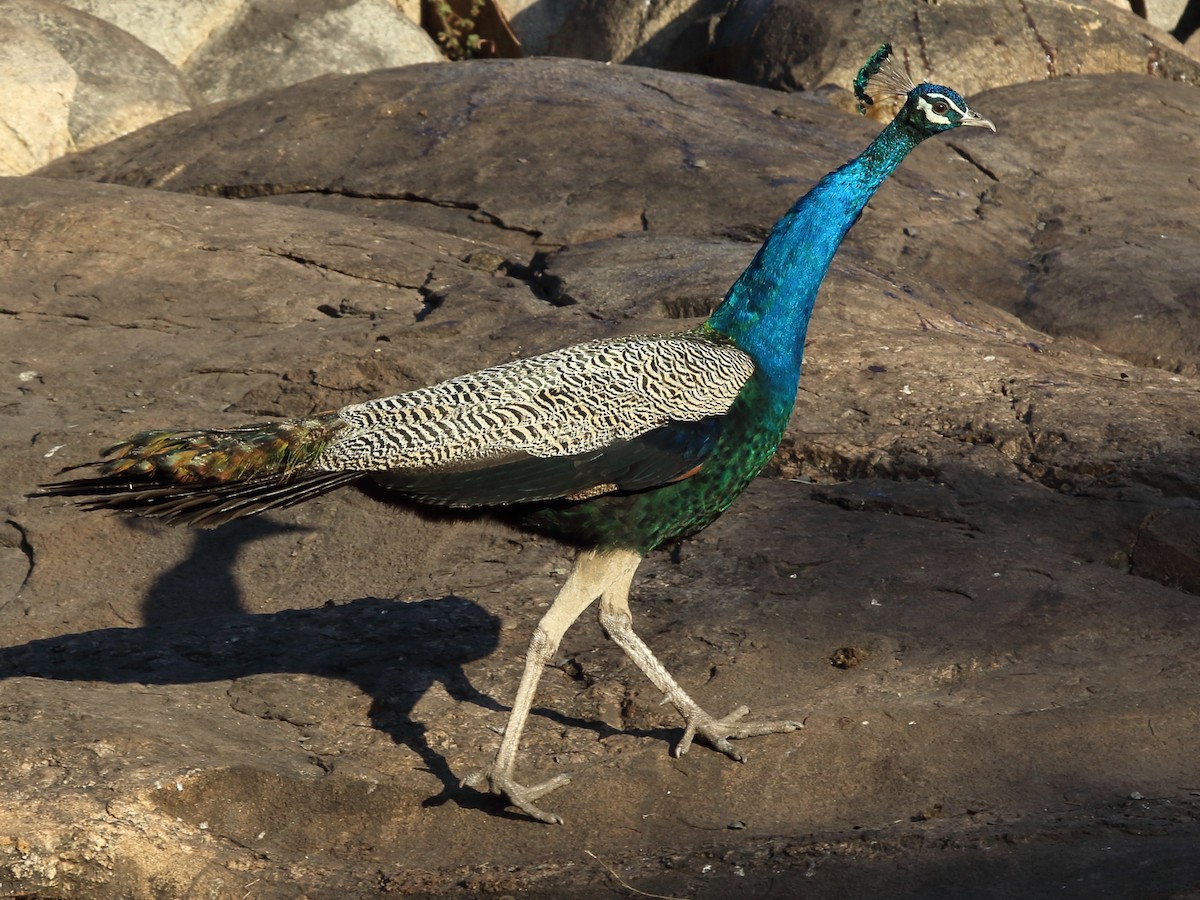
x,y
931,109
928,109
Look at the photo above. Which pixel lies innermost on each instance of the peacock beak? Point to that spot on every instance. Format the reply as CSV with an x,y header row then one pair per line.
x,y
975,119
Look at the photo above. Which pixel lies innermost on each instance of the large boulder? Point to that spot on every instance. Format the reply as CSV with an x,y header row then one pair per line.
x,y
1040,205
673,35
71,81
808,44
235,48
77,77
972,44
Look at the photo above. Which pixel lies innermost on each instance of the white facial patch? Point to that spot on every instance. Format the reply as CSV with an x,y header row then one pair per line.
x,y
926,107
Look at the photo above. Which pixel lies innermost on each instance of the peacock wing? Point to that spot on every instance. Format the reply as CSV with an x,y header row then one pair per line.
x,y
668,453
621,414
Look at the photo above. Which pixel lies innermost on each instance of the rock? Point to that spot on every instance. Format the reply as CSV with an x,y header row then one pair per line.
x,y
410,8
71,81
340,157
1164,14
176,30
673,35
971,44
1187,28
238,48
292,700
1049,231
303,40
535,22
40,85
1168,548
795,44
1108,258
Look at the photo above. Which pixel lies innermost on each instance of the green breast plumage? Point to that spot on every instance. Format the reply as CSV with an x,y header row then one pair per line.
x,y
750,434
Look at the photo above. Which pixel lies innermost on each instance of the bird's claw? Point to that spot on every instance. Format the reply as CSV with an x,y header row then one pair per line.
x,y
718,732
519,795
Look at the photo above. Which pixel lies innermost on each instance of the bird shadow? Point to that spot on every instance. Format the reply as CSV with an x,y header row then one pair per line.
x,y
197,630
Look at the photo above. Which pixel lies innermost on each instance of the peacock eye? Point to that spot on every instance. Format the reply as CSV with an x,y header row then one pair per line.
x,y
941,107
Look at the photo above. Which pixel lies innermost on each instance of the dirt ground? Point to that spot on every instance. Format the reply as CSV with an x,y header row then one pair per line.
x,y
991,709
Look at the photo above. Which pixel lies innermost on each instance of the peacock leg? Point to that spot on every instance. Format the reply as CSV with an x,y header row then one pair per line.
x,y
593,575
617,620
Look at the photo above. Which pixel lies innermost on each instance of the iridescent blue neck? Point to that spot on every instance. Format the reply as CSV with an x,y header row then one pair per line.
x,y
766,311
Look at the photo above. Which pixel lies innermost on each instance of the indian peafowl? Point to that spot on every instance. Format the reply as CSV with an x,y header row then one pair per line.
x,y
614,445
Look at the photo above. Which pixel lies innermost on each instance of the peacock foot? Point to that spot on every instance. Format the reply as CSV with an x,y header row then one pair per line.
x,y
501,783
718,732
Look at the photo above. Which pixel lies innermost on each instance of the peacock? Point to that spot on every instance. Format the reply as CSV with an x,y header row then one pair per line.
x,y
614,446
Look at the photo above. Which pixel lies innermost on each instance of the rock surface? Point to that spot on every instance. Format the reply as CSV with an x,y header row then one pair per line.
x,y
983,629
71,81
808,44
82,72
236,48
971,44
1037,213
674,34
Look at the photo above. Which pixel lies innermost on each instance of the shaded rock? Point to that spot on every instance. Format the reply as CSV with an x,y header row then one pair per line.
x,y
671,35
239,48
1168,548
972,45
795,45
535,22
984,641
803,45
465,148
72,81
1164,14
1108,258
471,29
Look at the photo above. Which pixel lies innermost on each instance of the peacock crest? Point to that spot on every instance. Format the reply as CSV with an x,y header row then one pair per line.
x,y
881,76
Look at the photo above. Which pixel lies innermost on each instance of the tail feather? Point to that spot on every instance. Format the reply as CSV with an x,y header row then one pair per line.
x,y
205,505
207,478
233,454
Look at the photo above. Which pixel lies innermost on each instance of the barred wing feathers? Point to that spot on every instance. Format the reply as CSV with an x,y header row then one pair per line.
x,y
614,414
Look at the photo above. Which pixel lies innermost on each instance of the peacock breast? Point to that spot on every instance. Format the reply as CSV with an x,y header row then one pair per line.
x,y
750,434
